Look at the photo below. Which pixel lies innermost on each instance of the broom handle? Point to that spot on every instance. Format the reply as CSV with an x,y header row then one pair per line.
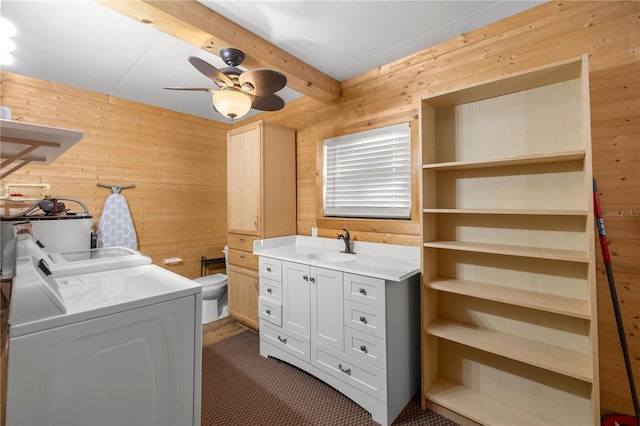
x,y
614,297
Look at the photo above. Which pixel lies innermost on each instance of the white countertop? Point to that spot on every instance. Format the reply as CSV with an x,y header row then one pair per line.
x,y
385,261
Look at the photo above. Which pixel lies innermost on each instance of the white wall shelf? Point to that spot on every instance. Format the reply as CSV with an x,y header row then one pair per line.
x,y
22,143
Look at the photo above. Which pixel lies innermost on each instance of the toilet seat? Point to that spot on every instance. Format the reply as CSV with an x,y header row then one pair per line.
x,y
213,286
215,280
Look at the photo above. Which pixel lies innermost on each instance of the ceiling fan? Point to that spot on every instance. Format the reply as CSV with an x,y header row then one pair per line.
x,y
238,91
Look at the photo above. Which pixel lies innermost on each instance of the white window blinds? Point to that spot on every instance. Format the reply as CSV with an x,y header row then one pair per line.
x,y
368,174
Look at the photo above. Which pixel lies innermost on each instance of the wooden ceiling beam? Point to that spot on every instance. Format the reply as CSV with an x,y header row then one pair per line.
x,y
200,26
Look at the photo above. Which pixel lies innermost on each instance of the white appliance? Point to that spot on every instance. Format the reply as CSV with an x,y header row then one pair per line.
x,y
77,262
57,233
120,347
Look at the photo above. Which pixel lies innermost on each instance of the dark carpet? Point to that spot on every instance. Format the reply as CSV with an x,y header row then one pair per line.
x,y
241,387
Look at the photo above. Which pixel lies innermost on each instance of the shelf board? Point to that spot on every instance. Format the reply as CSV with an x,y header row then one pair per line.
x,y
558,157
22,143
569,69
508,250
527,212
527,299
549,357
480,407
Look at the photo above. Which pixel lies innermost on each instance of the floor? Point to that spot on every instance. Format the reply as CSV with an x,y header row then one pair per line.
x,y
215,331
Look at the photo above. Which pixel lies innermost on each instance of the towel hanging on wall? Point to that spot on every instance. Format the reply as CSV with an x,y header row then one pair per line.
x,y
115,228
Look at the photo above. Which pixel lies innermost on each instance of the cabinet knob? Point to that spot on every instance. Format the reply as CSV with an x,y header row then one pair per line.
x,y
363,291
269,290
268,311
363,348
347,371
363,320
268,268
312,279
282,340
306,278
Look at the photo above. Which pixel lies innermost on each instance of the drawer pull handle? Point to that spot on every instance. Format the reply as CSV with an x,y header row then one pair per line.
x,y
241,239
268,311
347,371
306,278
312,279
363,320
241,256
269,291
268,268
363,292
363,348
282,340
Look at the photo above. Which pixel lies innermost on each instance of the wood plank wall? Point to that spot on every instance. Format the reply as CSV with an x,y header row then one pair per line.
x,y
609,32
177,162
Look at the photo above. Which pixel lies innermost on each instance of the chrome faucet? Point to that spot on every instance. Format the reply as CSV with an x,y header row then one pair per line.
x,y
347,241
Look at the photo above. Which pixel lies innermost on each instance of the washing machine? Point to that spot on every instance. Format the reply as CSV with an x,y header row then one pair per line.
x,y
109,344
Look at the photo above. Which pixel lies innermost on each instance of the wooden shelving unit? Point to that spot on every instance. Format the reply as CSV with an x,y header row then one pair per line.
x,y
508,295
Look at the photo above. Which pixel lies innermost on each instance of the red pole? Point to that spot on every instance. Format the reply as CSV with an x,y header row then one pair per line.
x,y
614,297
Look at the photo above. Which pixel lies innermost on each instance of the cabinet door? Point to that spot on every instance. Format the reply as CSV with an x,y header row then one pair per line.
x,y
243,295
295,298
327,324
243,180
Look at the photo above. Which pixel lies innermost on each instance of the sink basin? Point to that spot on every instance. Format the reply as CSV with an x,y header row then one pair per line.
x,y
332,257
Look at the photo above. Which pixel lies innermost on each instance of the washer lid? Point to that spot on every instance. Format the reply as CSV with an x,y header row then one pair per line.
x,y
78,261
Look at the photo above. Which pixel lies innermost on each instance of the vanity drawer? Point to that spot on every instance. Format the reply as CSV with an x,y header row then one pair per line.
x,y
365,318
367,290
270,268
292,343
365,347
243,258
270,311
359,374
270,289
241,242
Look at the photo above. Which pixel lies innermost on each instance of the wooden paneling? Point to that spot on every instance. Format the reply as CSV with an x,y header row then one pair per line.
x,y
176,162
608,32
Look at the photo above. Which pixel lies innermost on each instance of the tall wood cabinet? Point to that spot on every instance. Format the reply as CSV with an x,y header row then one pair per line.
x,y
509,330
261,203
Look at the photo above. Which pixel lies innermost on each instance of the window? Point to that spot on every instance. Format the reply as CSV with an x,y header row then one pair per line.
x,y
368,174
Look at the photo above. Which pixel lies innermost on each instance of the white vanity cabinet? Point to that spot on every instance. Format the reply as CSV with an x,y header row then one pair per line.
x,y
357,333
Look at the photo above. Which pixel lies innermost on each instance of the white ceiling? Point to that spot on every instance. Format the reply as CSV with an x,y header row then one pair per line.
x,y
89,46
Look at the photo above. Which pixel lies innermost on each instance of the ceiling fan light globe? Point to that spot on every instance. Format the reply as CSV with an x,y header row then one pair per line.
x,y
231,103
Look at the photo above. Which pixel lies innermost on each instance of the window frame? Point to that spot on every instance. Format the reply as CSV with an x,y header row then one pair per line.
x,y
383,227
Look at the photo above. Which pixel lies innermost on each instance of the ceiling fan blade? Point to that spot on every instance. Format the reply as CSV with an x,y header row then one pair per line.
x,y
193,89
210,71
270,102
264,81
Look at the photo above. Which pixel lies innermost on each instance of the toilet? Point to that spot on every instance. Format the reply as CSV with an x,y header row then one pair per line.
x,y
214,295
